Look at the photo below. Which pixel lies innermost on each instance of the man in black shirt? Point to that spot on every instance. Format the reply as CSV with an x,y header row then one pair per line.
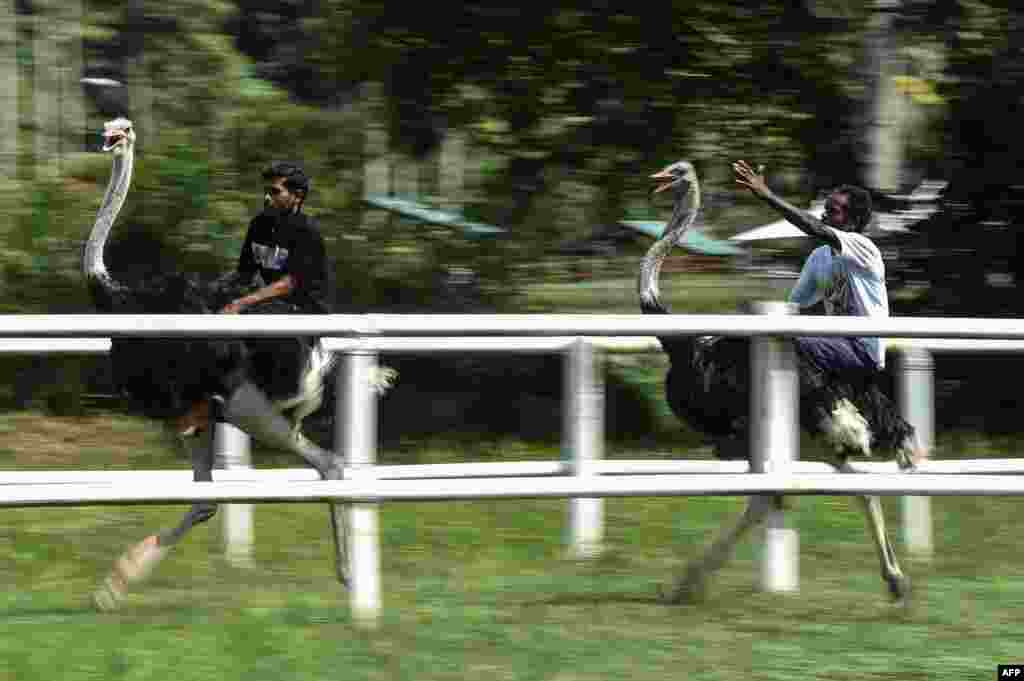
x,y
279,376
284,246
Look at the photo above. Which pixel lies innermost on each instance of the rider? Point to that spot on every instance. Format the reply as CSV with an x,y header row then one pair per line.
x,y
845,272
283,245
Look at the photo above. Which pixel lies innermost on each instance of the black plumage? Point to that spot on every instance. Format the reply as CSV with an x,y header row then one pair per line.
x,y
163,377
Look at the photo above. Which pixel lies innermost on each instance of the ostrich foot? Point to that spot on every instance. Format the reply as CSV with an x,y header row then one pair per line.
x,y
899,588
134,566
690,588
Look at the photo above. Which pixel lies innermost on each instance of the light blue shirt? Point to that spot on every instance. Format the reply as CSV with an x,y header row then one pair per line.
x,y
851,283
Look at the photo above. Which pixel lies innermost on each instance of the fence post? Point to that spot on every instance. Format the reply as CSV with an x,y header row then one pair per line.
x,y
583,439
916,392
775,443
231,452
356,437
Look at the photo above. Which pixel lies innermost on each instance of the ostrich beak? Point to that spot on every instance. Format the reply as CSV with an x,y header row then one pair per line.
x,y
111,140
663,175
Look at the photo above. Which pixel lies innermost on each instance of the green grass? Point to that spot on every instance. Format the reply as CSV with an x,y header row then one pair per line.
x,y
482,590
683,292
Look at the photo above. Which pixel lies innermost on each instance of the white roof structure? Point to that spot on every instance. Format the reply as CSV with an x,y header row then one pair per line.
x,y
922,203
780,229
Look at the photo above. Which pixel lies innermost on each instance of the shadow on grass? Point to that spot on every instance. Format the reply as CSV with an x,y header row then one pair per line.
x,y
44,615
602,598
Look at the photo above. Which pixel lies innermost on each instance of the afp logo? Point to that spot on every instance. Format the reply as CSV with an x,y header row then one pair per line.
x,y
1010,671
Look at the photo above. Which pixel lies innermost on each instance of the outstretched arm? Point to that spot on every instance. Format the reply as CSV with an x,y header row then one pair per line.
x,y
808,224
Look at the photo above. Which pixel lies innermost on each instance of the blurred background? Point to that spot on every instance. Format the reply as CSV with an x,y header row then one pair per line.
x,y
493,157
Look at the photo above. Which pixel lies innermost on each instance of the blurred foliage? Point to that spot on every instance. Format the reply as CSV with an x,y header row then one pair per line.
x,y
566,108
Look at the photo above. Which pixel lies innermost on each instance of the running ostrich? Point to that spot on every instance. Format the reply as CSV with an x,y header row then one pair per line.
x,y
192,382
707,386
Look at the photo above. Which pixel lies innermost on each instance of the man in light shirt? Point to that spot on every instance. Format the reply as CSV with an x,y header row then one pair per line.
x,y
845,272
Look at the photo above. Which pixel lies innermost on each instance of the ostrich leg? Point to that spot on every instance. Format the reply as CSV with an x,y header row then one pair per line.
x,y
340,533
691,583
899,584
249,409
138,562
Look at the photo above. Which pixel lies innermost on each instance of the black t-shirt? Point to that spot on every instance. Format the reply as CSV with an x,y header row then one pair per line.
x,y
276,247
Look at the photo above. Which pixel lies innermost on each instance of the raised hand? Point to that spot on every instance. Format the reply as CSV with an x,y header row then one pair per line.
x,y
753,180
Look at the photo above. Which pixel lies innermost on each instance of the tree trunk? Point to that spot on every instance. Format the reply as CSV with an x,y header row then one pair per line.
x,y
8,90
886,108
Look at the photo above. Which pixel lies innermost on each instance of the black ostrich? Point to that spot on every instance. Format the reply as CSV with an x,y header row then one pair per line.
x,y
708,387
250,384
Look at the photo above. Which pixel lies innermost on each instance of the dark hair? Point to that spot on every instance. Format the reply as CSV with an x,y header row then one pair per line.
x,y
860,204
295,177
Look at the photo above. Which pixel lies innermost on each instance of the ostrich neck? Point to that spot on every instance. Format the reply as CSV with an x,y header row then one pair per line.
x,y
93,267
683,214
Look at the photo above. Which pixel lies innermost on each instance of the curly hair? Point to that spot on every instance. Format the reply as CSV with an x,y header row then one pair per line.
x,y
860,204
295,178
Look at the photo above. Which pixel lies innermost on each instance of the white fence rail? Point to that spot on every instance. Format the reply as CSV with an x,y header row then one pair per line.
x,y
460,325
361,337
375,491
502,469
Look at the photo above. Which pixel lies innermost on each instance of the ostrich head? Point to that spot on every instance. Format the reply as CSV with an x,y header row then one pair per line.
x,y
680,177
118,136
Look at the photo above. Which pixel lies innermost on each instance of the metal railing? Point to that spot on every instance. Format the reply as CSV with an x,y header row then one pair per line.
x,y
360,338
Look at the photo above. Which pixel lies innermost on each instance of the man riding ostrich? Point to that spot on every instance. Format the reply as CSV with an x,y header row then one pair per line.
x,y
708,383
193,382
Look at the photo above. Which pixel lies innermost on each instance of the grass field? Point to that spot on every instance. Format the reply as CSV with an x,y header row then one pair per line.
x,y
481,590
683,293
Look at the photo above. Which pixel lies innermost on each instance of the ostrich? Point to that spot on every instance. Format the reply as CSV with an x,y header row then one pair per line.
x,y
707,386
195,382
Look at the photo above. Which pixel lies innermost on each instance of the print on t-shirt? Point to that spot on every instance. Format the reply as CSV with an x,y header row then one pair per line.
x,y
850,281
270,257
837,293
